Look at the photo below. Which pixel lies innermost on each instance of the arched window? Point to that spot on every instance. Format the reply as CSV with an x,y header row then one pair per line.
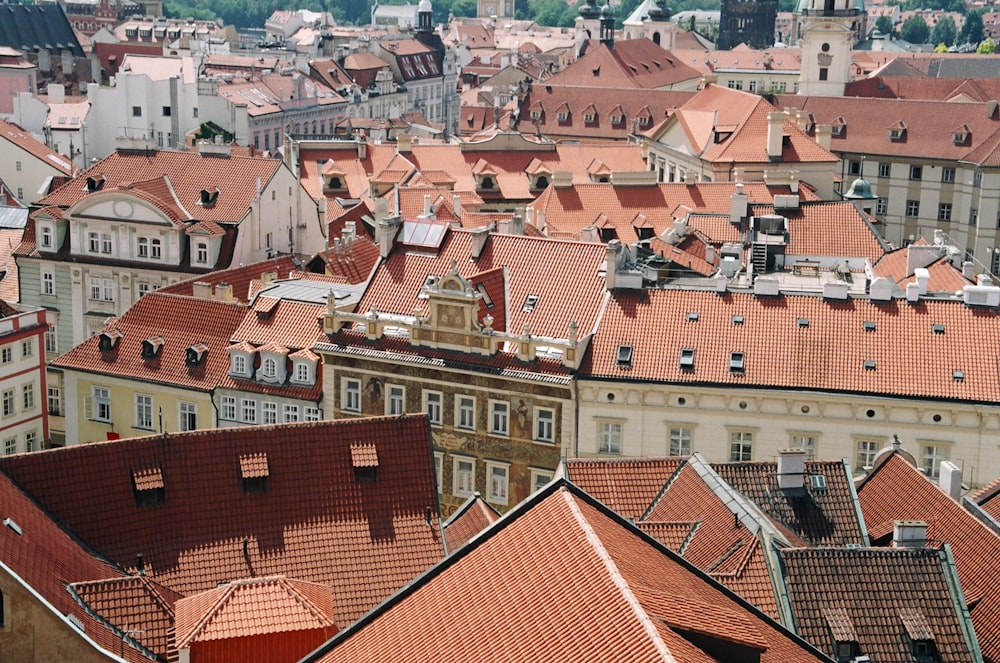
x,y
270,367
143,247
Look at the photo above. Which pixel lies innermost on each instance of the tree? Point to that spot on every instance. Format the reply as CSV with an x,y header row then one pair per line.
x,y
972,29
884,25
945,31
941,48
915,30
987,46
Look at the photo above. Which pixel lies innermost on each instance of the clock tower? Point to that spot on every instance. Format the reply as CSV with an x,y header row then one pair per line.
x,y
495,8
827,31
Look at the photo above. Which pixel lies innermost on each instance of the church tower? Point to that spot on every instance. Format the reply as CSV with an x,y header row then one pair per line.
x,y
827,38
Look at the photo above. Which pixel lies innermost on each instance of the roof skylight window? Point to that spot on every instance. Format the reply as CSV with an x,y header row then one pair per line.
x,y
624,356
737,362
529,303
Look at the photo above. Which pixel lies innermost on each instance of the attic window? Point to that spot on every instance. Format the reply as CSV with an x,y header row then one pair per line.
x,y
563,116
589,118
957,375
919,633
151,347
109,339
624,356
617,119
208,196
195,353
738,319
147,485
692,316
529,303
430,281
487,300
487,183
817,482
95,183
254,471
869,364
937,329
737,362
868,326
687,358
536,114
802,322
364,460
961,134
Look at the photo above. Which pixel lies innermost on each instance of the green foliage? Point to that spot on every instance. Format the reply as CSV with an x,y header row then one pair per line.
x,y
884,25
915,30
945,32
987,46
180,10
941,48
972,29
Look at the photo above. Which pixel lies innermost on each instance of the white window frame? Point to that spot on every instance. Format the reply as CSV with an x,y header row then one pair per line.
x,y
107,247
238,363
302,372
28,395
201,253
248,410
269,412
46,237
351,395
545,425
439,470
48,282
741,446
54,400
6,354
679,439
499,418
155,249
30,437
144,411
187,416
395,399
312,413
142,247
865,449
434,406
290,413
931,454
27,348
497,482
269,367
609,437
94,242
465,412
539,478
227,408
101,410
10,446
9,402
805,441
463,485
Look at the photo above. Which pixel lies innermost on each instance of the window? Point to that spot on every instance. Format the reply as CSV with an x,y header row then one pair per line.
x,y
144,411
159,139
143,247
238,364
973,216
270,412
28,396
545,423
611,438
166,111
948,175
352,395
916,172
499,417
46,239
10,445
136,111
977,179
465,413
102,290
884,169
48,283
881,206
806,443
55,401
464,479
740,446
188,414
394,399
854,167
269,367
498,475
867,449
202,252
290,413
155,251
313,414
94,242
7,355
248,411
824,73
302,373
30,440
8,402
912,208
539,478
930,459
680,441
17,166
106,244
228,410
432,406
944,212
27,348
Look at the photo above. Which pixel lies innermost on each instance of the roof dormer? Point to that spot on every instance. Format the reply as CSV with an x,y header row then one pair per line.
x,y
207,197
897,132
564,113
94,183
108,339
334,177
617,116
961,135
304,364
486,176
273,363
194,354
152,347
590,114
241,358
838,127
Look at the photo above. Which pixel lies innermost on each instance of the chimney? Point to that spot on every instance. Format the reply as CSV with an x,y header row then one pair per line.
x,y
909,534
268,277
951,479
738,206
775,134
427,205
923,277
517,223
912,293
201,290
983,279
880,289
823,136
791,469
404,142
479,237
456,202
362,149
611,251
57,93
224,292
967,268
710,254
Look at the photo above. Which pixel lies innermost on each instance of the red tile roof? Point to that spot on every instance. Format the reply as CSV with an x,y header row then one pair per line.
x,y
240,278
362,540
895,490
631,63
23,140
920,87
183,322
986,498
133,601
469,520
779,353
189,173
489,595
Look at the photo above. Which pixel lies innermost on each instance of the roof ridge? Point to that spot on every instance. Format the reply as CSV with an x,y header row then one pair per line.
x,y
616,577
207,615
290,586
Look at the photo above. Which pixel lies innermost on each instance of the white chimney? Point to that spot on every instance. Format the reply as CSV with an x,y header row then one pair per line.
x,y
923,277
951,479
824,136
912,292
967,267
721,283
881,289
611,252
775,134
983,279
479,237
766,286
738,205
909,534
791,468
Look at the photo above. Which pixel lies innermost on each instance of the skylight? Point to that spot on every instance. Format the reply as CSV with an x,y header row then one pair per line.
x,y
737,362
937,329
487,300
687,358
957,375
869,364
624,355
869,326
738,319
803,322
529,303
692,316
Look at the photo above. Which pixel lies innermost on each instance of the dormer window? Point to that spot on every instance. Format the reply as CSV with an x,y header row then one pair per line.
x,y
208,196
151,347
241,361
254,471
541,182
687,358
536,114
624,356
897,131
272,363
195,353
109,339
269,367
487,183
201,253
46,237
589,118
961,134
563,116
737,362
364,460
95,183
839,127
147,485
303,368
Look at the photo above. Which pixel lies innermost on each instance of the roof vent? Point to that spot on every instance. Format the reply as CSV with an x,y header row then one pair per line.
x,y
869,364
624,356
207,197
802,322
692,316
957,375
529,303
687,358
738,320
937,329
95,183
868,326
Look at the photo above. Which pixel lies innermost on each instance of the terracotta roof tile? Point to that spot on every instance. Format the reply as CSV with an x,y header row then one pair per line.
x,y
18,137
632,63
652,603
253,466
469,520
133,601
895,490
